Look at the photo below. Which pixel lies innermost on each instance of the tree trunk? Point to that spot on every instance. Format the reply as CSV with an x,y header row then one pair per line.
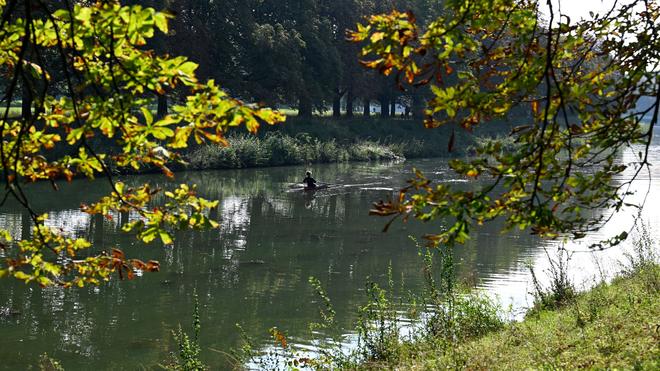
x,y
366,110
97,226
123,218
162,106
26,105
384,107
393,108
27,88
349,104
336,104
305,107
417,106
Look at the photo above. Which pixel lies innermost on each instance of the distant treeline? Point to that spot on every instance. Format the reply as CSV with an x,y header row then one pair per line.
x,y
290,53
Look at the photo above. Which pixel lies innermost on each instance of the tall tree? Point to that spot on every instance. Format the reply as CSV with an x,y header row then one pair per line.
x,y
344,15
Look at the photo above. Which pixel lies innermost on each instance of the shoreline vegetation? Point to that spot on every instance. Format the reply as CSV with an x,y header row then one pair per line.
x,y
326,140
322,140
612,325
275,149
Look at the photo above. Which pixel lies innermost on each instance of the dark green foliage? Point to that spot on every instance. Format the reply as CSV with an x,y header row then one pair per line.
x,y
282,51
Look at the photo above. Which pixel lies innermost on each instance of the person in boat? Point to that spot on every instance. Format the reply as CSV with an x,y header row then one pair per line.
x,y
309,181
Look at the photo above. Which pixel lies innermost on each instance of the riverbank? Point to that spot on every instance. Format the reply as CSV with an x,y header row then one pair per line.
x,y
318,139
276,149
325,140
614,326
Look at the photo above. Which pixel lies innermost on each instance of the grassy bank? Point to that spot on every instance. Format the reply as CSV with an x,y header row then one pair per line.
x,y
323,140
276,149
416,140
614,325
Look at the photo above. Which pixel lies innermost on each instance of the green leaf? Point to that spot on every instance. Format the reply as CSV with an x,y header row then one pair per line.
x,y
148,117
165,237
160,20
22,276
149,234
188,68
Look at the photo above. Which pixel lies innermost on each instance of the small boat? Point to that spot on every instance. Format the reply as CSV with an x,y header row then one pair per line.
x,y
301,188
317,188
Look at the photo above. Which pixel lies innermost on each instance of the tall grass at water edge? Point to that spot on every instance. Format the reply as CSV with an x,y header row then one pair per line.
x,y
275,149
444,314
324,140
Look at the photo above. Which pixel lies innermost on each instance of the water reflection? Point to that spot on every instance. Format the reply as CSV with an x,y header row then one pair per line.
x,y
253,269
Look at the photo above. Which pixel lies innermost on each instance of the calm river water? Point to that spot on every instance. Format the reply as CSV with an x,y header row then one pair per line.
x,y
254,269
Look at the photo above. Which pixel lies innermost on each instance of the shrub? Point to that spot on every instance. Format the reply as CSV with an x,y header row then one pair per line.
x,y
561,291
275,149
644,250
187,358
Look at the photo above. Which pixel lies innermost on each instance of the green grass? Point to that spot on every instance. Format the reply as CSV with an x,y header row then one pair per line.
x,y
275,149
14,112
420,141
612,326
327,139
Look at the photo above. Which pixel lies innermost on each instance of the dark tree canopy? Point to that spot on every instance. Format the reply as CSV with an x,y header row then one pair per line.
x,y
286,52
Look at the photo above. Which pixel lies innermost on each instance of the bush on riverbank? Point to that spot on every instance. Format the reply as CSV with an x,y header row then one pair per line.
x,y
275,149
